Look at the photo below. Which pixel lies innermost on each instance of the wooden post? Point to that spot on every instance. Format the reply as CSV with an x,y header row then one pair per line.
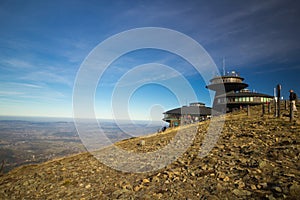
x,y
263,109
248,110
285,105
275,106
269,107
2,166
278,100
291,111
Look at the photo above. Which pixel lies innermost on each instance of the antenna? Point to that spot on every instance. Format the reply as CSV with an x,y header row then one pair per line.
x,y
224,66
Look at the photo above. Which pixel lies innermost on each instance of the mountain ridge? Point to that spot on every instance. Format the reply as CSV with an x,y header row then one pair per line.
x,y
256,157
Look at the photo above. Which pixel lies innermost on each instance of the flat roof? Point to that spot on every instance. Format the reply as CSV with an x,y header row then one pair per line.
x,y
190,110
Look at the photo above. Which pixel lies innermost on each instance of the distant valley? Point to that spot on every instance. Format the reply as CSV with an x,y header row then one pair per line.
x,y
28,142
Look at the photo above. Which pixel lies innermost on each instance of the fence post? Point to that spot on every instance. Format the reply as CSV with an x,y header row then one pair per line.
x,y
275,106
291,111
269,107
278,99
248,110
263,109
285,105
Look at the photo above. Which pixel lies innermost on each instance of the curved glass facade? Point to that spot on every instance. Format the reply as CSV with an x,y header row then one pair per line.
x,y
255,99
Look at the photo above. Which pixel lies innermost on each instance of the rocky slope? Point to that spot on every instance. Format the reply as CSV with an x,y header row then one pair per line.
x,y
256,157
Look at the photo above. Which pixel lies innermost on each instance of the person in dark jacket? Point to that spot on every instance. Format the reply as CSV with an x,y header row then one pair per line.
x,y
293,98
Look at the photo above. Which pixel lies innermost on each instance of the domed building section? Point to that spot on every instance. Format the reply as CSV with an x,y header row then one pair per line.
x,y
232,93
231,82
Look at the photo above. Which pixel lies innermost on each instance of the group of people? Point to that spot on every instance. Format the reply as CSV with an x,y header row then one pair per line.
x,y
163,129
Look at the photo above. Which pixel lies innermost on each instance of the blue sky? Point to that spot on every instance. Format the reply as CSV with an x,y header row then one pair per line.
x,y
43,44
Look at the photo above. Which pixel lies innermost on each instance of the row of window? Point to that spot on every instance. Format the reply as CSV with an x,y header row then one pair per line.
x,y
244,99
227,80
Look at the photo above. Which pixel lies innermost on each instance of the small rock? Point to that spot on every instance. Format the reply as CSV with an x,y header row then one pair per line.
x,y
239,192
127,186
137,188
277,189
263,185
270,197
253,187
295,190
221,175
142,143
259,187
26,183
156,179
226,179
118,193
219,187
262,164
158,195
240,184
146,180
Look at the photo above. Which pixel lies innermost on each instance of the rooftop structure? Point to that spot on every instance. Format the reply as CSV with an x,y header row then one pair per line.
x,y
230,82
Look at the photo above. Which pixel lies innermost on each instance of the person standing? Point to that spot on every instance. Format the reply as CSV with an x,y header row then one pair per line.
x,y
293,98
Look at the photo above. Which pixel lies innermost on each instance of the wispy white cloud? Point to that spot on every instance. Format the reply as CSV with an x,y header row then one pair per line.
x,y
36,74
11,93
148,73
74,49
281,69
28,85
47,77
248,33
134,66
17,63
31,92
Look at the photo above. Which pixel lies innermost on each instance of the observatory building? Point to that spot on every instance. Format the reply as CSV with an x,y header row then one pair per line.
x,y
232,93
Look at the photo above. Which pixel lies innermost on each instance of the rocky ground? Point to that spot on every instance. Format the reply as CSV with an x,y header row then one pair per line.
x,y
256,157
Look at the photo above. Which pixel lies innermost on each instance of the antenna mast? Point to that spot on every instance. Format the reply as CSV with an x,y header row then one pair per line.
x,y
224,66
